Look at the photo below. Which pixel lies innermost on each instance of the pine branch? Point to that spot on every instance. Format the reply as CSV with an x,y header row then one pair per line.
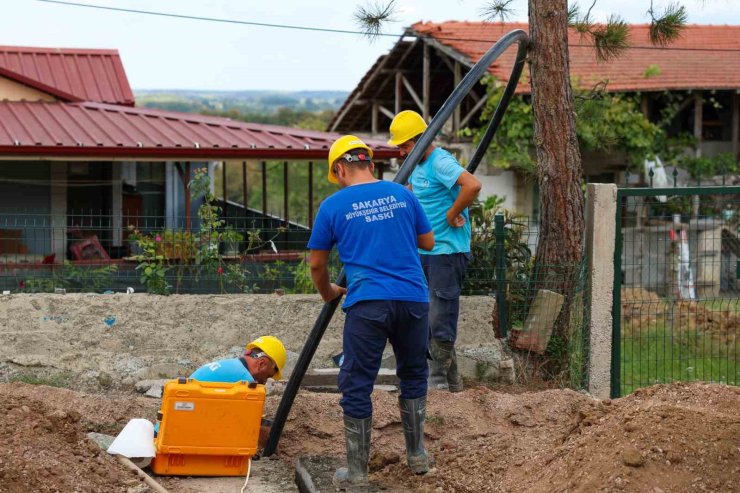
x,y
372,18
574,14
611,39
667,28
497,10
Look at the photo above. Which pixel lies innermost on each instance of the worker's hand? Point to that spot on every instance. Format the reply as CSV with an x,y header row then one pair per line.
x,y
455,221
336,292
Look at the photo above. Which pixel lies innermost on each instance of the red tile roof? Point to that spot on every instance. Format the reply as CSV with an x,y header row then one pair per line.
x,y
94,129
69,74
696,61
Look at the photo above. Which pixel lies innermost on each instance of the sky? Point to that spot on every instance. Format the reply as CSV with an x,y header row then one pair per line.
x,y
168,53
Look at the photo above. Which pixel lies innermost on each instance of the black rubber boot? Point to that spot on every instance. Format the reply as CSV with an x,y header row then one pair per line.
x,y
413,414
443,353
437,373
357,436
454,379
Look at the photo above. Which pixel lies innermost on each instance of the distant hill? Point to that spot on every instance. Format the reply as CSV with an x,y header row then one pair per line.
x,y
243,102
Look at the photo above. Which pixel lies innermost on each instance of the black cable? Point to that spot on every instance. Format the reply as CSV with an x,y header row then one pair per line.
x,y
347,31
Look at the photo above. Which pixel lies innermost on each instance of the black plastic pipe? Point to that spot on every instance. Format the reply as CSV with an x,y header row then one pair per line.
x,y
414,157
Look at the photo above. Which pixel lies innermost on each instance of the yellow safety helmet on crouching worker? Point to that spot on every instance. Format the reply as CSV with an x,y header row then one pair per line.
x,y
274,349
405,126
342,146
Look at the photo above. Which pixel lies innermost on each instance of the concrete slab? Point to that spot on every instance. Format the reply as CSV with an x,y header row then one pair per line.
x,y
332,389
327,377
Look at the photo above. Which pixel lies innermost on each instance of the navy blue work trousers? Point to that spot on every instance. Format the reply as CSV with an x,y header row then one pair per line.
x,y
367,327
445,275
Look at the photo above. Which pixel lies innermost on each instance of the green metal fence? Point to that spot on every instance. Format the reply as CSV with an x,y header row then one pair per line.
x,y
676,290
541,310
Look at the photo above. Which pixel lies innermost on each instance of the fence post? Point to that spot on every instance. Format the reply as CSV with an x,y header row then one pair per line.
x,y
58,216
500,232
601,209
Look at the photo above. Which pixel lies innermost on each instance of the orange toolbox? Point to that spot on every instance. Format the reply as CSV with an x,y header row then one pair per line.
x,y
207,428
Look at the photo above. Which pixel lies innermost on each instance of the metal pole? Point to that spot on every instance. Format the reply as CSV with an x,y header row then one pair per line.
x,y
223,181
264,188
310,194
245,196
458,94
500,232
286,201
245,193
186,181
616,390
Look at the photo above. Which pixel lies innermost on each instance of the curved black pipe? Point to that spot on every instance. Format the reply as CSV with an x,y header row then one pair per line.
x,y
414,157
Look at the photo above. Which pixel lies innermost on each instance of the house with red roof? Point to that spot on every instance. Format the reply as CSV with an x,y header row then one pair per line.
x,y
79,160
421,70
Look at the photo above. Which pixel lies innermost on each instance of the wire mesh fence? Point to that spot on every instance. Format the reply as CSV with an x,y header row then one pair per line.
x,y
250,252
94,251
677,297
90,251
540,309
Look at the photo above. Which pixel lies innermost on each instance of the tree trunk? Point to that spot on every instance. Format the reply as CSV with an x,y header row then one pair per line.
x,y
559,249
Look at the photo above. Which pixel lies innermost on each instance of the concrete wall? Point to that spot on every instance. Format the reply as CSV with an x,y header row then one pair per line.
x,y
125,338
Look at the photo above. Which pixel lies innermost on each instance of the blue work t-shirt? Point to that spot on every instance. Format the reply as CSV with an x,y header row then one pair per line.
x,y
433,181
375,227
226,370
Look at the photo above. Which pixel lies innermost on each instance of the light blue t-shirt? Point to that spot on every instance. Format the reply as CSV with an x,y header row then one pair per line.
x,y
375,227
226,370
433,181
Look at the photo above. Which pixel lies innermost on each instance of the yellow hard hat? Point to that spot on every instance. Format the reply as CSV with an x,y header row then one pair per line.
x,y
340,147
405,126
274,349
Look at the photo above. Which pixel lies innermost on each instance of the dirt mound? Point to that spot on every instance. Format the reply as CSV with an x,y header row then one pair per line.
x,y
641,308
680,437
665,438
43,449
723,325
99,413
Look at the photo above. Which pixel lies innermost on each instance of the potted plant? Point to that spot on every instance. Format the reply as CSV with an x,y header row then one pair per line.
x,y
176,244
231,239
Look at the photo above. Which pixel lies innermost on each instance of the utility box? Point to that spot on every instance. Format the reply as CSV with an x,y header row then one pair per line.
x,y
207,428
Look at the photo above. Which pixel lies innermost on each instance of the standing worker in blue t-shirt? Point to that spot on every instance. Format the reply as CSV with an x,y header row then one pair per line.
x,y
377,227
445,190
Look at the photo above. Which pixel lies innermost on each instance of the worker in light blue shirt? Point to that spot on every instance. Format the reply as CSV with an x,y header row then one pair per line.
x,y
264,358
445,190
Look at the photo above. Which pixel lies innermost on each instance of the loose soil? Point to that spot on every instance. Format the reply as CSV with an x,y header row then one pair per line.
x,y
642,309
679,437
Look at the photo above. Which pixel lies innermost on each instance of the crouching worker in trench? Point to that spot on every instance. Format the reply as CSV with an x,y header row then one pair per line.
x,y
377,227
264,358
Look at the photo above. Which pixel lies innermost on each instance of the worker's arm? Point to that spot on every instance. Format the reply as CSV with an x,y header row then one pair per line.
x,y
425,241
469,188
319,262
